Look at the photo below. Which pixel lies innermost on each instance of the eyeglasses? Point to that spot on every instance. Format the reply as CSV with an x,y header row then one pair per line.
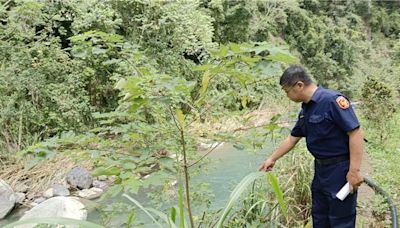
x,y
288,89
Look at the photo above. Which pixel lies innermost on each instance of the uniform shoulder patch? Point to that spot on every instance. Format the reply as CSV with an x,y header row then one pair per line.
x,y
342,102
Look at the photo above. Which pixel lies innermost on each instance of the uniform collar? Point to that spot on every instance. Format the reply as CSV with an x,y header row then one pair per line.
x,y
317,94
315,97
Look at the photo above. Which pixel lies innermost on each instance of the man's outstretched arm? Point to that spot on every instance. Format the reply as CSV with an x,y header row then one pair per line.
x,y
283,148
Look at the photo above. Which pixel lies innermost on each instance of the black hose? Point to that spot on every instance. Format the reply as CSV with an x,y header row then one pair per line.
x,y
389,200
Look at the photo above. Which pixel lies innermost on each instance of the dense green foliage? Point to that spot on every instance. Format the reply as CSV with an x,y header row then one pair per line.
x,y
122,82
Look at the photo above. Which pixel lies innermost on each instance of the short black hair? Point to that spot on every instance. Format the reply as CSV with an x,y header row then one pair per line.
x,y
294,74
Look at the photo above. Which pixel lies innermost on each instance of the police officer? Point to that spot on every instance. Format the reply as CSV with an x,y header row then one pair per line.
x,y
334,138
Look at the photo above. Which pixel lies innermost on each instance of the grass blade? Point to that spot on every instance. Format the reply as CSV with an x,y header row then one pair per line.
x,y
278,192
236,193
163,216
142,208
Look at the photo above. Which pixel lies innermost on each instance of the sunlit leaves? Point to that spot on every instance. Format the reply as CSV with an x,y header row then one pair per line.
x,y
181,118
108,171
235,66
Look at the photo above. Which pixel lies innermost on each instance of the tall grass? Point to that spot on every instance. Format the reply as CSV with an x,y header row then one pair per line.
x,y
237,194
296,169
263,205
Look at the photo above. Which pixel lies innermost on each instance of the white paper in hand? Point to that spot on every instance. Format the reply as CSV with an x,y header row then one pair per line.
x,y
343,192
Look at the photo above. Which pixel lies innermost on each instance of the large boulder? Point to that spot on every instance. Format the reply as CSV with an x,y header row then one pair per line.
x,y
56,207
79,178
7,199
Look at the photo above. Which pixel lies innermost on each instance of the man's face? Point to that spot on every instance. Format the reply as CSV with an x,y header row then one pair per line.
x,y
294,91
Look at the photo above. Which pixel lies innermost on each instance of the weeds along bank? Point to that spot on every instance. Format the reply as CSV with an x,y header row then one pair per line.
x,y
384,160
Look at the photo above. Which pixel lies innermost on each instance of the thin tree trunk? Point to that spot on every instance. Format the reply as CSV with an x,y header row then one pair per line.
x,y
185,169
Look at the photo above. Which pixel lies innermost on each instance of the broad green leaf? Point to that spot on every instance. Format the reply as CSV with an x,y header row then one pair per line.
x,y
181,118
81,54
278,193
259,47
173,214
204,86
54,221
235,48
268,68
110,61
113,191
129,166
280,55
221,52
156,179
167,163
236,193
136,104
133,88
108,171
250,60
132,185
98,51
242,78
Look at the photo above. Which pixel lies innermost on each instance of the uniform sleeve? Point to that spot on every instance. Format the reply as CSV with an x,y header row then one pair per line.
x,y
343,115
298,129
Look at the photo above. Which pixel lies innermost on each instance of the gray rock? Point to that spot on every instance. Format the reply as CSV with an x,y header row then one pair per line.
x,y
60,190
100,184
92,193
79,178
56,207
7,199
19,197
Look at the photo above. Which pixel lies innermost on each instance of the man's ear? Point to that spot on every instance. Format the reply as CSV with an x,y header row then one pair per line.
x,y
301,84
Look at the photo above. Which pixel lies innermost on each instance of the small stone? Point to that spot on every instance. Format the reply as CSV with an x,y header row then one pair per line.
x,y
60,190
79,178
100,184
91,193
19,197
48,193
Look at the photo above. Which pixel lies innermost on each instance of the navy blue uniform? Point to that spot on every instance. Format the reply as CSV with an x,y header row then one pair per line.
x,y
325,122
